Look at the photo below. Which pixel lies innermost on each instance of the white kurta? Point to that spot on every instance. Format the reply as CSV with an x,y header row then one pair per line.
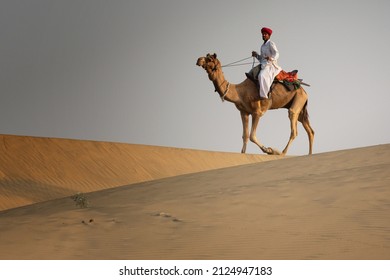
x,y
269,68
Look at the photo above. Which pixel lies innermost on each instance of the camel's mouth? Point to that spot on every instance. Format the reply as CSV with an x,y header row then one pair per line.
x,y
201,61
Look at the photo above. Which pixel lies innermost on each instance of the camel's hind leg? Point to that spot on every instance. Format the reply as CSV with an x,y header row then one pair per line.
x,y
293,116
304,119
294,112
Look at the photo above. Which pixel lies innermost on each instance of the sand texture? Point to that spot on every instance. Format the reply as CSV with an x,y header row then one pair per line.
x,y
34,169
327,206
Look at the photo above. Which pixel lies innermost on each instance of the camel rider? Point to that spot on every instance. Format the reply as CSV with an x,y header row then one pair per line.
x,y
268,60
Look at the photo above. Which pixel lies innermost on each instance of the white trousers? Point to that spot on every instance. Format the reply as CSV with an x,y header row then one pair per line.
x,y
266,78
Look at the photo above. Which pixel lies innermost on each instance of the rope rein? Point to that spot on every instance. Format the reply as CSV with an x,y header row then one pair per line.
x,y
237,63
226,92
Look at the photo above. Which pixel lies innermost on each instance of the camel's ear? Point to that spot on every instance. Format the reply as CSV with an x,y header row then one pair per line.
x,y
215,55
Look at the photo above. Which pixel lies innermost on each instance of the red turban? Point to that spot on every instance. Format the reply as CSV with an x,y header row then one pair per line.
x,y
266,30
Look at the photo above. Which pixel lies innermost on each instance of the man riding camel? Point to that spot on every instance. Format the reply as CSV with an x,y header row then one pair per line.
x,y
268,60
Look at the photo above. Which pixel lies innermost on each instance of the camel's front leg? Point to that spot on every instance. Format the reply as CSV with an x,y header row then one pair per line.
x,y
253,138
245,133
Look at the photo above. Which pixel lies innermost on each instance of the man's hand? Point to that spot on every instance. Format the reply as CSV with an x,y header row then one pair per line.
x,y
255,54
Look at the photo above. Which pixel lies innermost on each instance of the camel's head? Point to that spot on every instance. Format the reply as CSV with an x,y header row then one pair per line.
x,y
210,63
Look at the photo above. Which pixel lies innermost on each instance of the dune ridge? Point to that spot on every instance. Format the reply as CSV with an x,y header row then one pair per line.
x,y
36,169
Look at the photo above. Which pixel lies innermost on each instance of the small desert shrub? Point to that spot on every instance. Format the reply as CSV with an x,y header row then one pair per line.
x,y
80,199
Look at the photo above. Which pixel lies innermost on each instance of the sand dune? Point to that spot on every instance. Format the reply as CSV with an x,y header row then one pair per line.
x,y
35,169
326,206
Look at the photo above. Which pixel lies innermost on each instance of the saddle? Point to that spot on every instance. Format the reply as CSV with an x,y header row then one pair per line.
x,y
288,79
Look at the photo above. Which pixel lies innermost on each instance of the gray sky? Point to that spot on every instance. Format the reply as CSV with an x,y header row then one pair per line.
x,y
125,71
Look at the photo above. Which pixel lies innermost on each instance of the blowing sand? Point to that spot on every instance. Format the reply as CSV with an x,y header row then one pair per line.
x,y
326,206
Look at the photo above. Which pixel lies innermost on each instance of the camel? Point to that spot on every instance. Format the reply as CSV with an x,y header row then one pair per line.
x,y
245,97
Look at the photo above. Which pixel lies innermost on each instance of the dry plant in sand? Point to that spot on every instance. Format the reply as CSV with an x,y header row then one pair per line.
x,y
80,199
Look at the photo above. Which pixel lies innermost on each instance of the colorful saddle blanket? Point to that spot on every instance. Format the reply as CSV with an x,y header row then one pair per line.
x,y
288,79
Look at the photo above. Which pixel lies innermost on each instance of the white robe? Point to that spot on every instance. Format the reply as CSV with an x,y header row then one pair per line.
x,y
269,68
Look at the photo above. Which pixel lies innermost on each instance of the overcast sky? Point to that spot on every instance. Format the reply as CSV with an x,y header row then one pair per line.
x,y
124,71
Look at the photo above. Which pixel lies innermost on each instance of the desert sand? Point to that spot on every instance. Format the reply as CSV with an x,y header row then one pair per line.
x,y
332,205
36,169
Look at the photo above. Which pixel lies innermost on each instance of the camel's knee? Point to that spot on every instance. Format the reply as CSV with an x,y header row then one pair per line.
x,y
245,138
311,135
294,133
292,114
253,138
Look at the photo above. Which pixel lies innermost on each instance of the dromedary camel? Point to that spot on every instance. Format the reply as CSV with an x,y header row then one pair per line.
x,y
247,100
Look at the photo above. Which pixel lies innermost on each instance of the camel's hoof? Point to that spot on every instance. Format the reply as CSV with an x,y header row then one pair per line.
x,y
272,151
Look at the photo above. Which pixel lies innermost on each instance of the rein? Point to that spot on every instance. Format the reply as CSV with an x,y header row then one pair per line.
x,y
237,63
226,91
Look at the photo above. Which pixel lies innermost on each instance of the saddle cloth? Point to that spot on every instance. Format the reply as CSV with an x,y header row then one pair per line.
x,y
288,79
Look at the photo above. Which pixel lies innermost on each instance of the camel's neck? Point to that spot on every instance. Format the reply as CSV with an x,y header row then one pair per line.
x,y
225,90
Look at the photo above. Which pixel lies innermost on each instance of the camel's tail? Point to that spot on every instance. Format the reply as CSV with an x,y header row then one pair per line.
x,y
304,119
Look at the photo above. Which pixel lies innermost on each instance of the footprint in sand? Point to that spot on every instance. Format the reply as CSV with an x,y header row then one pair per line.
x,y
166,215
86,223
